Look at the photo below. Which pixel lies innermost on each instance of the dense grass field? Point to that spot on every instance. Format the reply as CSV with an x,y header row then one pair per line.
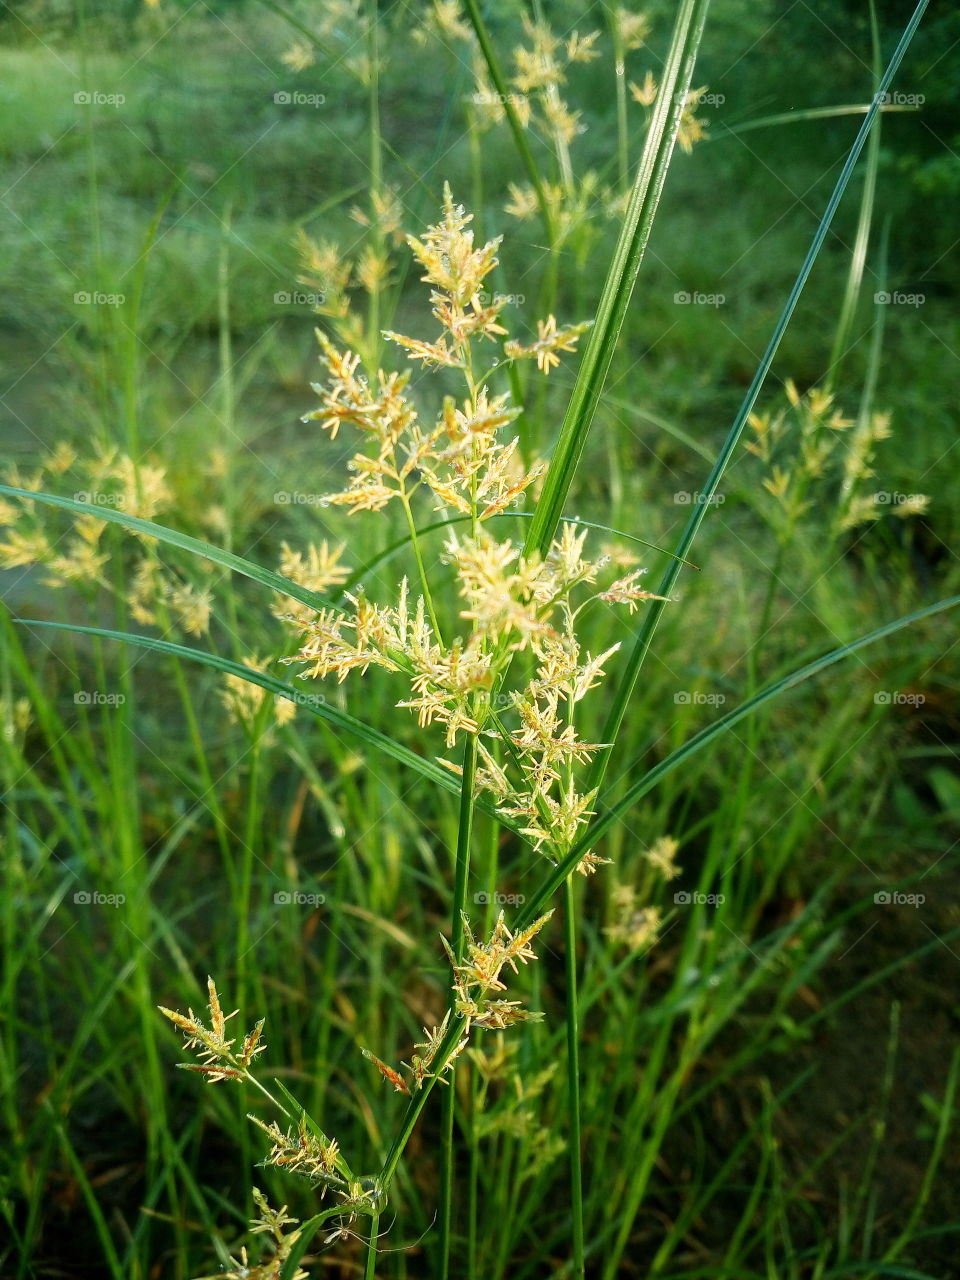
x,y
746,1064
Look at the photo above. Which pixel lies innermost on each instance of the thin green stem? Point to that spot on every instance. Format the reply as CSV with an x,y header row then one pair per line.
x,y
376,180
370,1268
513,119
573,1077
421,568
462,872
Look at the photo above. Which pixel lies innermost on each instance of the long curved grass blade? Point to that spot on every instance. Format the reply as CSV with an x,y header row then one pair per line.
x,y
314,703
394,548
196,547
858,257
699,510
721,131
605,820
513,119
308,1230
622,275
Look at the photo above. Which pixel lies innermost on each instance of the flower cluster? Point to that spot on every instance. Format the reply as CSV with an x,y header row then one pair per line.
x,y
110,479
511,602
218,1059
477,979
810,440
419,1068
304,1152
272,1222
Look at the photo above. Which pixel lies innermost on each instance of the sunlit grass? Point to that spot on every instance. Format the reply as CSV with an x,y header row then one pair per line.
x,y
222,823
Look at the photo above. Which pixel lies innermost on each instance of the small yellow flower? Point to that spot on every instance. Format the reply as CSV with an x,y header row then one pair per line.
x,y
299,56
645,94
549,341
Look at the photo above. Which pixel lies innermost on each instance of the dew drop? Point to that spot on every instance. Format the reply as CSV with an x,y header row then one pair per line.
x,y
307,417
495,363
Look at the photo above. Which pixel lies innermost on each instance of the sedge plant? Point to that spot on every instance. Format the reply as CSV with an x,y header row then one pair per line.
x,y
504,678
502,674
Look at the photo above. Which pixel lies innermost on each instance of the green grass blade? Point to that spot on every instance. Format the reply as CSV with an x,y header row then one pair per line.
x,y
196,547
858,258
306,1233
396,547
111,1257
798,117
698,513
507,100
314,703
621,277
605,820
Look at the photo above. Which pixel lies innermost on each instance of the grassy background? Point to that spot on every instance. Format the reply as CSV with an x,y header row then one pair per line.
x,y
764,1088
